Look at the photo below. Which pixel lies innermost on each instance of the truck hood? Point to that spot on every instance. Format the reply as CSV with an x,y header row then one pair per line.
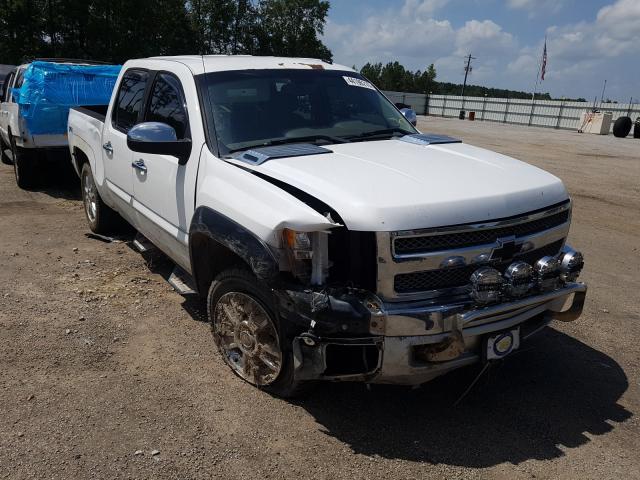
x,y
394,185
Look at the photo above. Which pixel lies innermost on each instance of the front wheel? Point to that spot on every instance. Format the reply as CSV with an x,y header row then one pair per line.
x,y
247,332
100,217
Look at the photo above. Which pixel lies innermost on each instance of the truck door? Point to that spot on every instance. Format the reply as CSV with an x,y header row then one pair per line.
x,y
126,112
163,189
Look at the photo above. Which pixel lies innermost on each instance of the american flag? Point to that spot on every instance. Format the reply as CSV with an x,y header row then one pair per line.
x,y
544,61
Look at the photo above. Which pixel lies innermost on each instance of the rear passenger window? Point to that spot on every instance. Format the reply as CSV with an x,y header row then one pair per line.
x,y
167,105
130,98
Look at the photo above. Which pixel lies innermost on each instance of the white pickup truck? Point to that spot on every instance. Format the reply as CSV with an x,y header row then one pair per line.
x,y
331,238
25,147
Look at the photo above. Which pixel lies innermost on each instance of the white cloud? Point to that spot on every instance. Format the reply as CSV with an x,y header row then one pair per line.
x,y
421,7
483,37
621,20
392,36
580,55
615,32
538,7
416,37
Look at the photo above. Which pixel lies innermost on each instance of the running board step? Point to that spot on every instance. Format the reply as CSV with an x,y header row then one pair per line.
x,y
142,244
182,282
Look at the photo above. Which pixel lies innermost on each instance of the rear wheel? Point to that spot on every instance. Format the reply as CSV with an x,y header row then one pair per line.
x,y
100,217
24,166
247,332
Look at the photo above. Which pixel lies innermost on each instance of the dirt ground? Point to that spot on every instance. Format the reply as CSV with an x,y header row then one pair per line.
x,y
105,372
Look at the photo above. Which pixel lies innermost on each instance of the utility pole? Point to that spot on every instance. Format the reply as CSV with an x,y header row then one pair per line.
x,y
467,71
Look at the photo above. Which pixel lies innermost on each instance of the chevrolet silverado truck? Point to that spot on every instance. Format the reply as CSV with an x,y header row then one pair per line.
x,y
331,239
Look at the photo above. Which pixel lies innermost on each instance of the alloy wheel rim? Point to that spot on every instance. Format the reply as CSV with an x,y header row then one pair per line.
x,y
247,338
90,198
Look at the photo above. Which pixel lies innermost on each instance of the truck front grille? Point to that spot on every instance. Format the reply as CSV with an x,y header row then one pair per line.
x,y
434,262
446,241
459,276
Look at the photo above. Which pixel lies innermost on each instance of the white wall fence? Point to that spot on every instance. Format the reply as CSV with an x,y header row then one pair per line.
x,y
541,113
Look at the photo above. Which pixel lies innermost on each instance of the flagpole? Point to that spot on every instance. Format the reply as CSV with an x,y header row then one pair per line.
x,y
540,60
535,87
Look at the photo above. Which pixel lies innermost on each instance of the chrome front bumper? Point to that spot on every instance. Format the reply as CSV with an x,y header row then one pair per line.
x,y
451,334
464,329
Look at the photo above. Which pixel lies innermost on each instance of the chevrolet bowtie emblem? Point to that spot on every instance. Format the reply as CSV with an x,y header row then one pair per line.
x,y
506,249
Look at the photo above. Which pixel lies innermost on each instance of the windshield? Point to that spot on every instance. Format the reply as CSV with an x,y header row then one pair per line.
x,y
252,108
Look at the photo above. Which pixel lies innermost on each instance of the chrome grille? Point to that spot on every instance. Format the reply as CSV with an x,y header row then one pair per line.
x,y
425,244
424,264
459,276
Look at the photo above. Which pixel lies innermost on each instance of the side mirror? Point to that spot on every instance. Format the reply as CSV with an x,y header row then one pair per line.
x,y
160,139
410,115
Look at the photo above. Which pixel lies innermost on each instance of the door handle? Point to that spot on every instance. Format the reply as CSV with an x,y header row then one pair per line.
x,y
139,164
107,147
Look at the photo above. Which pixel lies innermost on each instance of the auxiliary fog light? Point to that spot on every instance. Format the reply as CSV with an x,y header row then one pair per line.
x,y
547,271
486,285
571,264
519,279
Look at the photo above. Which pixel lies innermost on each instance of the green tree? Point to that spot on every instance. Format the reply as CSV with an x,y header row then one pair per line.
x,y
21,30
291,28
116,30
372,72
425,82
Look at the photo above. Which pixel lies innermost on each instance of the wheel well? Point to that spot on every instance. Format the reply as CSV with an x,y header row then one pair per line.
x,y
79,159
209,258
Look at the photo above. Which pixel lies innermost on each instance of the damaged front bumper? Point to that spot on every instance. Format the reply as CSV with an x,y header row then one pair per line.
x,y
413,343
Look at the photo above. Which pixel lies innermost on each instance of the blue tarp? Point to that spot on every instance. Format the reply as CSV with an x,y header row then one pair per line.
x,y
50,89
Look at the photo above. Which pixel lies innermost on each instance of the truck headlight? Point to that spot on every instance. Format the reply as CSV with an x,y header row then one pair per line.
x,y
571,264
486,285
298,244
308,255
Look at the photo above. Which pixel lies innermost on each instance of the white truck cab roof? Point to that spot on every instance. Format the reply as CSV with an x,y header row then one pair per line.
x,y
199,64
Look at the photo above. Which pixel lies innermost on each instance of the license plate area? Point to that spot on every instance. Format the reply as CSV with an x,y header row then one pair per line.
x,y
500,344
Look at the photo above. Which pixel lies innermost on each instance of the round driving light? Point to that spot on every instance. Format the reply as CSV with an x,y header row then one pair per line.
x,y
518,279
547,272
486,285
570,266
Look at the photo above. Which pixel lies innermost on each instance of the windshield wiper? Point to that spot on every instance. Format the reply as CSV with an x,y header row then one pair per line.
x,y
285,140
385,132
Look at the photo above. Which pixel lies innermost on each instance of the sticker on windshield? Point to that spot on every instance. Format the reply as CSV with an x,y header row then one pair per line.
x,y
358,82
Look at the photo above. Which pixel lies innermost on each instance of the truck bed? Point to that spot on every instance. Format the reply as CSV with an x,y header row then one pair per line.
x,y
98,112
84,130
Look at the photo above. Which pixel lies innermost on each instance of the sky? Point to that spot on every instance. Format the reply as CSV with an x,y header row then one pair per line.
x,y
588,41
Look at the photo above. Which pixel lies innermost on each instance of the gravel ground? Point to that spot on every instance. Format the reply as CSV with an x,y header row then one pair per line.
x,y
105,372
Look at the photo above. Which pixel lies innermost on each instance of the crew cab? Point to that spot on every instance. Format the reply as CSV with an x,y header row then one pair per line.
x,y
331,239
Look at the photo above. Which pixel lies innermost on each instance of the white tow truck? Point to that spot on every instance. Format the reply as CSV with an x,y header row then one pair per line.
x,y
332,240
